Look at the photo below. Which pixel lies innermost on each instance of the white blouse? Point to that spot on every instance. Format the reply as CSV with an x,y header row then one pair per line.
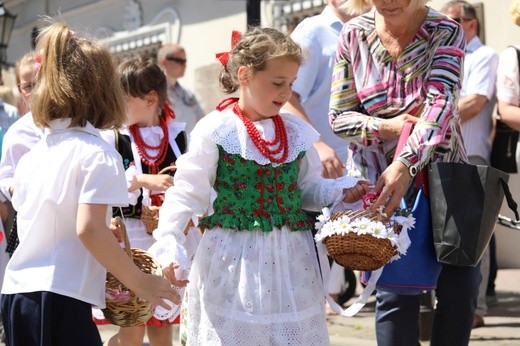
x,y
196,172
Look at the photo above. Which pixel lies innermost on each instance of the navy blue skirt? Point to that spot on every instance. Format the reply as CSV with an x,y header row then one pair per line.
x,y
48,319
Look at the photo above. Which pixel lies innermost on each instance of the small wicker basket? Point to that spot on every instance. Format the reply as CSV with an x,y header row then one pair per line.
x,y
150,214
361,251
132,311
150,217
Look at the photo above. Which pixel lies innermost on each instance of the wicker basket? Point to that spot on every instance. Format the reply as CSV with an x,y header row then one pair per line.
x,y
150,217
132,311
361,252
150,214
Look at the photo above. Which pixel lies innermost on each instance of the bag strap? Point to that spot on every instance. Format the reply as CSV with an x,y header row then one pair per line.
x,y
517,56
421,179
403,138
511,203
503,220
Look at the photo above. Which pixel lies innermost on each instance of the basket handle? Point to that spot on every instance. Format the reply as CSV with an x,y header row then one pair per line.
x,y
120,223
167,169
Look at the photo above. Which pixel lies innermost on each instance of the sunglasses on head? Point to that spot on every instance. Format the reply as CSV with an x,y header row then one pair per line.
x,y
177,60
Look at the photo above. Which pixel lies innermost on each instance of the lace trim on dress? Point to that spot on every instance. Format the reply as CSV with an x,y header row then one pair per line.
x,y
226,127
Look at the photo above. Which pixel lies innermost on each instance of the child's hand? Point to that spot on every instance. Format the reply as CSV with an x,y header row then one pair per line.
x,y
156,182
155,288
116,229
355,193
169,273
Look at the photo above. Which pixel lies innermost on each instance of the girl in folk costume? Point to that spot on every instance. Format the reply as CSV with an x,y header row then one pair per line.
x,y
255,278
151,143
57,273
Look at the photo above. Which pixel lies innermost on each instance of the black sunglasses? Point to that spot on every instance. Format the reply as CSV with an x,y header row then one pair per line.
x,y
461,20
177,60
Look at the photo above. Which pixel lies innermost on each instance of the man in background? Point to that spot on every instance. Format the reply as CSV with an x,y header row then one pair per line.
x,y
476,104
318,36
172,60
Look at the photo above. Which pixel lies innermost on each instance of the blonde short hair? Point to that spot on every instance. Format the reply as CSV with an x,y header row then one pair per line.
x,y
356,7
514,12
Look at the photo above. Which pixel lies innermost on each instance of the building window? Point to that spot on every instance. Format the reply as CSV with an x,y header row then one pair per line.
x,y
287,15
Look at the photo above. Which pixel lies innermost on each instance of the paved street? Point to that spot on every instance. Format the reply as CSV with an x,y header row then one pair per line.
x,y
502,324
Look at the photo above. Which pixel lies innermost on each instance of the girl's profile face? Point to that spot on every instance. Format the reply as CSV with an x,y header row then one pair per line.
x,y
264,93
27,80
139,111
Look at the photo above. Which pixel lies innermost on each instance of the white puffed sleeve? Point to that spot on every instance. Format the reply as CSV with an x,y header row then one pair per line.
x,y
318,192
189,197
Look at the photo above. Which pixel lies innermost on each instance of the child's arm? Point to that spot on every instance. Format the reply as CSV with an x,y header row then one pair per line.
x,y
317,191
96,237
155,182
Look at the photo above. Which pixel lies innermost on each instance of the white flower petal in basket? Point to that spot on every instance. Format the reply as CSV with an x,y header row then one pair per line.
x,y
405,221
378,230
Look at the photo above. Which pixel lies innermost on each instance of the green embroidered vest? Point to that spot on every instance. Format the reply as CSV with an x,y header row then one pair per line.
x,y
252,196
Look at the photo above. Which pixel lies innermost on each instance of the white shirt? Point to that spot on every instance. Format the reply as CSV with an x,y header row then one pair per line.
x,y
318,36
67,167
185,105
508,77
480,66
18,140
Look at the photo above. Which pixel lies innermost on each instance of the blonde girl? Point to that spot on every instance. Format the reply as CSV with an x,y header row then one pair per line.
x,y
63,190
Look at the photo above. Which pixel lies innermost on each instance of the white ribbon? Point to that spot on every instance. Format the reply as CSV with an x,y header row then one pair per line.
x,y
402,246
363,297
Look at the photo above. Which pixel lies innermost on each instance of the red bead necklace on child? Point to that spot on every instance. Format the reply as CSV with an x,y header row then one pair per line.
x,y
152,161
269,149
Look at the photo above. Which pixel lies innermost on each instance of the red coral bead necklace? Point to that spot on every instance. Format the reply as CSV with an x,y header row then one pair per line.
x,y
269,149
152,161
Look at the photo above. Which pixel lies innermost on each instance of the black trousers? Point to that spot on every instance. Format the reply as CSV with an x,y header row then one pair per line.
x,y
48,319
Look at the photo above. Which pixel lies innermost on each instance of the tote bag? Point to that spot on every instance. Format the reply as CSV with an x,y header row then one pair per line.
x,y
418,270
465,202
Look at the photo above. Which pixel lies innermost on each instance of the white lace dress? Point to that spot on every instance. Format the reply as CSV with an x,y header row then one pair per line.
x,y
247,287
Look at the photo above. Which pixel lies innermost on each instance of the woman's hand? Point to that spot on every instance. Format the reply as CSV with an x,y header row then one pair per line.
x,y
392,185
156,182
355,193
392,128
